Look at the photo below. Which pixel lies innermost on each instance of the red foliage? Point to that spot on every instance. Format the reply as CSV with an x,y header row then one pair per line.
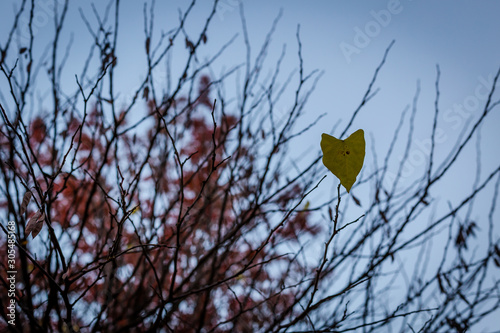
x,y
221,261
37,130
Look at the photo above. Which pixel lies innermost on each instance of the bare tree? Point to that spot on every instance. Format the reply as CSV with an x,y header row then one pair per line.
x,y
177,210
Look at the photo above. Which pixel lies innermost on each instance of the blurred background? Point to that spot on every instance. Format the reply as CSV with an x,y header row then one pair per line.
x,y
345,41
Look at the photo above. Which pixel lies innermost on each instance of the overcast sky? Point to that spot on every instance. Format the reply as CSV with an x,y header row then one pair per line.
x,y
346,40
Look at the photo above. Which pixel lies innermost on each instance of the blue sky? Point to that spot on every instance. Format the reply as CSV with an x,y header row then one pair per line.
x,y
461,36
346,40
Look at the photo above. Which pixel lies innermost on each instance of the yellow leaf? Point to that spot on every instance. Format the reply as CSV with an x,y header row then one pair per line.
x,y
344,158
306,206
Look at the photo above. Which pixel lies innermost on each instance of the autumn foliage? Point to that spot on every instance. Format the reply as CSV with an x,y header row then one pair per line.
x,y
184,208
166,220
